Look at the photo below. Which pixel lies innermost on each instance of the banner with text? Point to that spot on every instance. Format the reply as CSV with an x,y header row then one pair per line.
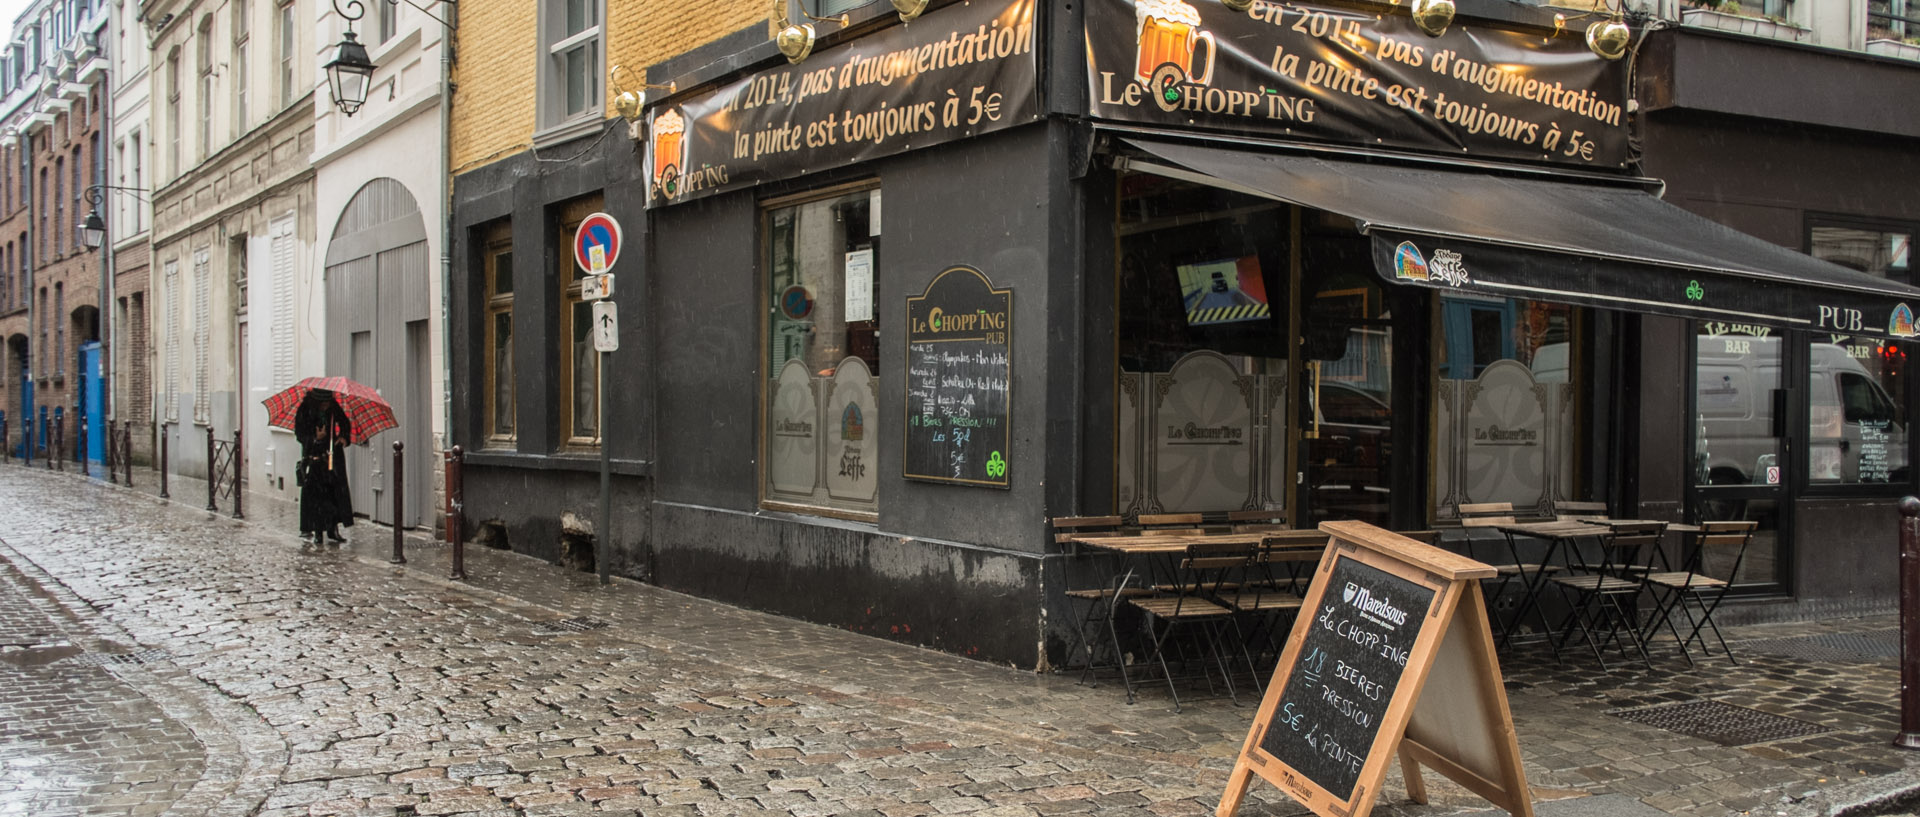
x,y
1358,77
964,70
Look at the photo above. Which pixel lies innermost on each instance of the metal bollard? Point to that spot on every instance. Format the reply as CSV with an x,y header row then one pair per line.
x,y
213,481
1909,737
239,465
399,497
6,447
456,517
163,462
26,441
58,438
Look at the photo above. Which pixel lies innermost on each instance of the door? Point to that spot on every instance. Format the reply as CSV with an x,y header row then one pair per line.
x,y
1346,420
379,288
1742,454
93,403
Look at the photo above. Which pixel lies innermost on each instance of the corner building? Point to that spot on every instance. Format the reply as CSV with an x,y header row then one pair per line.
x,y
905,300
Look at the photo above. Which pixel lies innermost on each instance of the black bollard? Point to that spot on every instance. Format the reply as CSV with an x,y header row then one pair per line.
x,y
456,518
399,497
239,465
1909,737
213,480
163,463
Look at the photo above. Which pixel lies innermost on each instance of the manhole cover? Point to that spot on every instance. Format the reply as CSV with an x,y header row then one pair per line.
x,y
101,659
1860,648
570,625
1722,723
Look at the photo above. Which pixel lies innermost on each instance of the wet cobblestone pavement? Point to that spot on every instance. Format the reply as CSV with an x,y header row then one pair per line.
x,y
286,680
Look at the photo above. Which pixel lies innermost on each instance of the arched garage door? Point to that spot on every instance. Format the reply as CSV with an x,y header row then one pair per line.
x,y
378,303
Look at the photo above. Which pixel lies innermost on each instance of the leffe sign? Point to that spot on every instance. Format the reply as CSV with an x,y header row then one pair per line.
x,y
1364,76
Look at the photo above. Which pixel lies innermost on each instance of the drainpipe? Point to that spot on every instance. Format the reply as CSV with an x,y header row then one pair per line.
x,y
446,235
103,131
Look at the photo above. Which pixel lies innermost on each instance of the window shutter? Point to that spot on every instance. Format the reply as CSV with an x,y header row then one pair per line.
x,y
202,324
281,241
172,391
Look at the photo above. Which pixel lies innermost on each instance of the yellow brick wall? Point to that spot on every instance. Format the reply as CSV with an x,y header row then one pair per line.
x,y
494,111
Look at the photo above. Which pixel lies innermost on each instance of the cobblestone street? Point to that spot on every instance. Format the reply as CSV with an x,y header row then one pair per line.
x,y
164,660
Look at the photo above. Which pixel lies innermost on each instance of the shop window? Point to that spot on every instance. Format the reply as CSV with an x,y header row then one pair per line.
x,y
823,427
1857,411
1509,425
579,364
1203,339
497,264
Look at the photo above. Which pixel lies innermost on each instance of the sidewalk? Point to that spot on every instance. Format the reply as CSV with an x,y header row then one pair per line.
x,y
1613,742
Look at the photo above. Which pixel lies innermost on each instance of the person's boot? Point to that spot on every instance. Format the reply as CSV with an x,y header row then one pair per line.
x,y
333,533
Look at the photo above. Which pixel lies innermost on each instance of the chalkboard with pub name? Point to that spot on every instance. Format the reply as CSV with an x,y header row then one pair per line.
x,y
959,379
1390,657
1350,664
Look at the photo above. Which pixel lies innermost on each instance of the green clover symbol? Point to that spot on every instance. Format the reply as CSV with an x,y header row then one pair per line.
x,y
1171,94
996,467
1695,292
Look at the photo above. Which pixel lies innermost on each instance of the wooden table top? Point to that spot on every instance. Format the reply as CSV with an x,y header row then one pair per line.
x,y
1155,543
1558,528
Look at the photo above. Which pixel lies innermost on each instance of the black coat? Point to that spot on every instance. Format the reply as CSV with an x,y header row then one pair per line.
x,y
323,429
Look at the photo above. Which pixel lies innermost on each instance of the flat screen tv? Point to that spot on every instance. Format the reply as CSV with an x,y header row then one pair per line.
x,y
1229,290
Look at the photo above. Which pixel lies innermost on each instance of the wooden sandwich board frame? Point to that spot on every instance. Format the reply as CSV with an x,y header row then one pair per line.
x,y
1449,710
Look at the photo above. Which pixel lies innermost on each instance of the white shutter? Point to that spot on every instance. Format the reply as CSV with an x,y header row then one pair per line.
x,y
202,337
281,241
173,329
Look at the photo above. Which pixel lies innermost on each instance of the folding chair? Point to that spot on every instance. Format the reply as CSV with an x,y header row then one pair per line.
x,y
1706,590
1096,602
1580,510
1474,515
1265,600
1609,593
1205,567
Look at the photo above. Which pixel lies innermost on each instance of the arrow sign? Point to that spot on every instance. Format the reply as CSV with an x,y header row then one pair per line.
x,y
606,326
597,243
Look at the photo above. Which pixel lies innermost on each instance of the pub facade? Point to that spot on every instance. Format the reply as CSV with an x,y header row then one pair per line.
x,y
935,282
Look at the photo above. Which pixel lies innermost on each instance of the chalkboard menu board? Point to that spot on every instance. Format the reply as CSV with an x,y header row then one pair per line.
x,y
1349,666
959,379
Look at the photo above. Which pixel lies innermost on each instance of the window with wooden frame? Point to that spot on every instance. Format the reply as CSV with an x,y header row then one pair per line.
x,y
497,280
579,363
820,425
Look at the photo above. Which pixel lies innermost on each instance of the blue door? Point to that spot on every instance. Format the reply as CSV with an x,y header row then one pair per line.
x,y
93,402
26,408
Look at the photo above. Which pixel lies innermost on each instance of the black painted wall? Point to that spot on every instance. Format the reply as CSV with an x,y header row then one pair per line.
x,y
945,566
532,488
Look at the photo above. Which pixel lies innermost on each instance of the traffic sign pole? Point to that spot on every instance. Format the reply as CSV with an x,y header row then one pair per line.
x,y
595,246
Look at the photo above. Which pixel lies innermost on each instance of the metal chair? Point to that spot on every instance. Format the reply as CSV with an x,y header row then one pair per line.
x,y
1205,568
1609,593
1706,590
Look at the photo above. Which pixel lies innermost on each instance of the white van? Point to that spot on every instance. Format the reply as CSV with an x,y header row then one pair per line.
x,y
1856,431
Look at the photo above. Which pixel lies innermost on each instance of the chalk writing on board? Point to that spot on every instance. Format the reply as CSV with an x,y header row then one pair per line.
x,y
1349,665
959,375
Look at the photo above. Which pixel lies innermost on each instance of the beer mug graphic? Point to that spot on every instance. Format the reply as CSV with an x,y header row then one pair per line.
x,y
1169,33
668,132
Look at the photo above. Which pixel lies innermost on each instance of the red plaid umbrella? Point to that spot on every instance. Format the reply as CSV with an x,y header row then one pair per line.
x,y
366,409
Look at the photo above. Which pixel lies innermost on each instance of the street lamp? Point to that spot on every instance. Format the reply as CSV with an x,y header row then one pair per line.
x,y
350,72
93,232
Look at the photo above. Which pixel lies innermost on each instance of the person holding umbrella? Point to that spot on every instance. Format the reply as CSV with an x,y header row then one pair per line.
x,y
325,414
323,430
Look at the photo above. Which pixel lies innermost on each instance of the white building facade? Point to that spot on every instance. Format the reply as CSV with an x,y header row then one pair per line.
x,y
380,180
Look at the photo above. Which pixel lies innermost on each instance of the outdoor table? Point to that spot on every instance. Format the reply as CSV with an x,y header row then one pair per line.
x,y
1555,534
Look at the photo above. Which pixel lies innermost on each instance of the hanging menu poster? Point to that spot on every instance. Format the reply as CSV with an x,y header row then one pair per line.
x,y
959,377
1351,662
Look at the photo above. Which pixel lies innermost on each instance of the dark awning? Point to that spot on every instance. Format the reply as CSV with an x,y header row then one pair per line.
x,y
1601,245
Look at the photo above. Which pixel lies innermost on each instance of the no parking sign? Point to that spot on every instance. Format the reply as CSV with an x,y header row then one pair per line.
x,y
597,243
